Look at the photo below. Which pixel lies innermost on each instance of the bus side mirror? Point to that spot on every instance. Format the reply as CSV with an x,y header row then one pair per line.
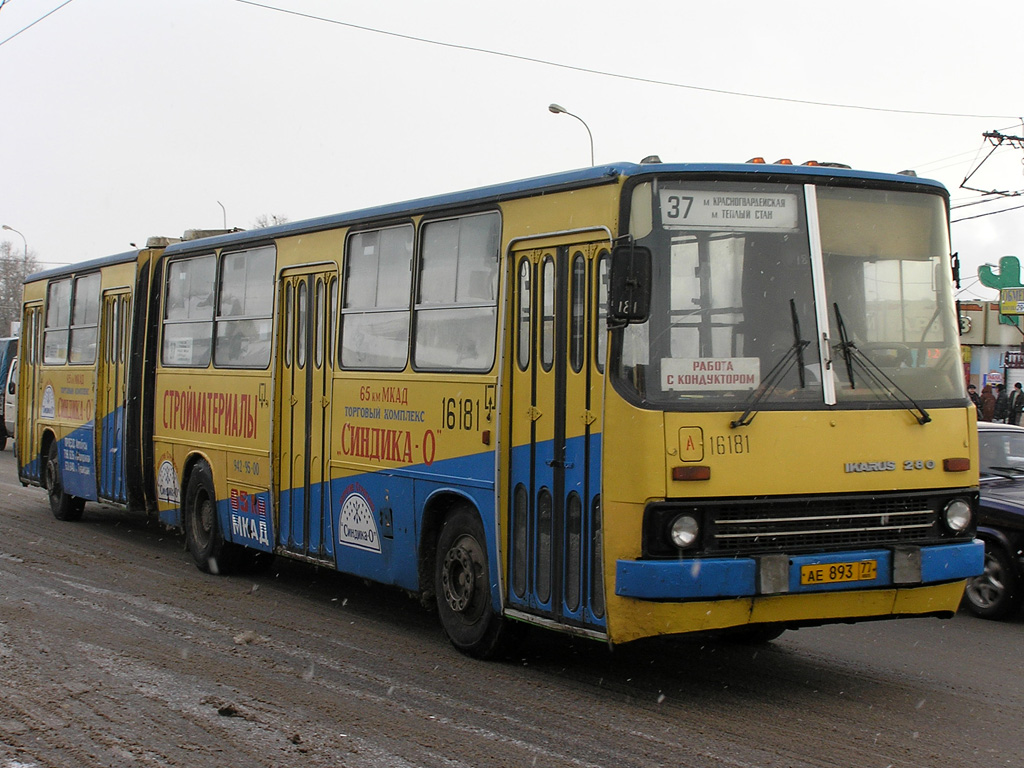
x,y
629,285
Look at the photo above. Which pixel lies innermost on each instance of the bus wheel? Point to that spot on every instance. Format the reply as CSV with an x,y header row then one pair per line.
x,y
754,634
202,534
462,584
63,505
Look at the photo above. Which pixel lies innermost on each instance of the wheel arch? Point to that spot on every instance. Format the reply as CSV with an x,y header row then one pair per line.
x,y
436,509
998,537
45,441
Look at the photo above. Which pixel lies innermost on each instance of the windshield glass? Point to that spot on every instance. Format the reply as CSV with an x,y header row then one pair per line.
x,y
733,314
887,270
1000,452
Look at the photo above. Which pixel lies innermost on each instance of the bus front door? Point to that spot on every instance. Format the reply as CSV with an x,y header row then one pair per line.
x,y
305,375
555,566
111,387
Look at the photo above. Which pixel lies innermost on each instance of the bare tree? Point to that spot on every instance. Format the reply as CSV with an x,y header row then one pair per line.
x,y
265,220
14,268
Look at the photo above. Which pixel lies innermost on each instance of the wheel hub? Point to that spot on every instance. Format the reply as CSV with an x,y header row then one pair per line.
x,y
458,578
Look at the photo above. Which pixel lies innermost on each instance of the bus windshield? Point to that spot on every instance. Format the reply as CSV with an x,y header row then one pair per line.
x,y
796,296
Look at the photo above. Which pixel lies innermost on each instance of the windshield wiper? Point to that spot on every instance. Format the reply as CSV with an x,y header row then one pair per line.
x,y
881,380
795,354
845,346
1001,471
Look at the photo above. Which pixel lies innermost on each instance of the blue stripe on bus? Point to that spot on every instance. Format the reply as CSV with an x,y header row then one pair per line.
x,y
77,457
112,479
961,561
404,491
695,579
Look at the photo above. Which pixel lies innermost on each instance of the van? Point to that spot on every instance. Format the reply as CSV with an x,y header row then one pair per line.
x,y
8,352
10,403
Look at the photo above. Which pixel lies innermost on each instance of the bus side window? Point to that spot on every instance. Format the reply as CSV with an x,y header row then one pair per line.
x,y
85,319
58,322
456,311
244,309
375,312
188,313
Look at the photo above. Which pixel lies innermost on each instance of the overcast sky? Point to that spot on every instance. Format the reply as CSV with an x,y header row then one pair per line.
x,y
129,118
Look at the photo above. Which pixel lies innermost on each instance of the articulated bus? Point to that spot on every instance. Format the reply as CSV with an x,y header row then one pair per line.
x,y
619,402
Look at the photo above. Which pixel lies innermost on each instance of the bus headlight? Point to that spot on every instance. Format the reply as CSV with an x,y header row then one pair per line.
x,y
684,531
957,516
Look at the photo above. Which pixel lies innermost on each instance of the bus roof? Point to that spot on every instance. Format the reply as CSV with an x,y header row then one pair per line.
x,y
83,266
584,177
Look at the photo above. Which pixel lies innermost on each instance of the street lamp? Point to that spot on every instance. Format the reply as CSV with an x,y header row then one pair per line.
x,y
558,109
12,229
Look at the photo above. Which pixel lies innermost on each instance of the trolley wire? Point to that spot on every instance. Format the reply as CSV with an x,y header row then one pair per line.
x,y
606,73
25,29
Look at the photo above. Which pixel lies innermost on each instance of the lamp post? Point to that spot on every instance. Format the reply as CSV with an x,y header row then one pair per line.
x,y
23,240
558,109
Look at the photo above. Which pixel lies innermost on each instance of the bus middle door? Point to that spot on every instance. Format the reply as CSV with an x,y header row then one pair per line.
x,y
305,376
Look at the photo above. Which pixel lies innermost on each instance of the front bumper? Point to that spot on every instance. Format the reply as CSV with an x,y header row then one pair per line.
x,y
721,578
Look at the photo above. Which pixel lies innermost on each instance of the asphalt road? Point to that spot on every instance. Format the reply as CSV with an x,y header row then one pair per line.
x,y
116,651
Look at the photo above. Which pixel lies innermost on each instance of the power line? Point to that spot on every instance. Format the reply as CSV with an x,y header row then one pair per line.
x,y
617,75
990,199
990,213
4,42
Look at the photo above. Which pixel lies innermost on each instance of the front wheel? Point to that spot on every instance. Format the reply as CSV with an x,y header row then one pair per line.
x,y
63,505
462,584
996,593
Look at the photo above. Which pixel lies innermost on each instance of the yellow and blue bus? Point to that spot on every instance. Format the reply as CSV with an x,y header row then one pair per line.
x,y
79,421
619,402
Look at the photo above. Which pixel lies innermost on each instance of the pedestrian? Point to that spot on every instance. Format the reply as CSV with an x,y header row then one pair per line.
x,y
1002,409
972,392
988,403
1016,403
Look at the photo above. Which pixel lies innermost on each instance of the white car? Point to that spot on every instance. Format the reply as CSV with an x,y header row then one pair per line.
x,y
11,402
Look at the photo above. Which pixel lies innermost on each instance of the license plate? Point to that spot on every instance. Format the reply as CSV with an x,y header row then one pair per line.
x,y
836,573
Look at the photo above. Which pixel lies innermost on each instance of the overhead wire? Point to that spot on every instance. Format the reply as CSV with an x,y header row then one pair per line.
x,y
617,75
25,29
990,213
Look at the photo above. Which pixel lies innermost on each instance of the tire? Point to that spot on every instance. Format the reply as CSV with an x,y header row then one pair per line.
x,y
996,593
3,439
203,536
755,634
64,506
462,585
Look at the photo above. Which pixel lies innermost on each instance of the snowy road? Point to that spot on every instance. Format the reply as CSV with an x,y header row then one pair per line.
x,y
115,651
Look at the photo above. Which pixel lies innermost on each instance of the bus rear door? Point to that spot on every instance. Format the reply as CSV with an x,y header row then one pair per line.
x,y
30,462
111,386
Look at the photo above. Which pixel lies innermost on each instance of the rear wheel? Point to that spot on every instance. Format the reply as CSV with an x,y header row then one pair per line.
x,y
996,593
63,505
462,584
202,532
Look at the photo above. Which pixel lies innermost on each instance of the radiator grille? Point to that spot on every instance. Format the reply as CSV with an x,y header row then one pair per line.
x,y
821,525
